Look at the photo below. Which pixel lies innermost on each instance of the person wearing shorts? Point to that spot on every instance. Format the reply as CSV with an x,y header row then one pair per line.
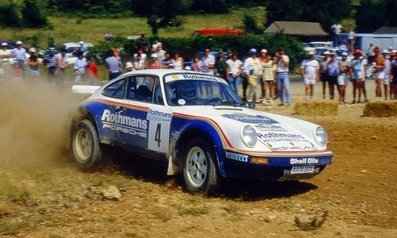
x,y
387,69
358,67
310,72
343,77
333,73
379,72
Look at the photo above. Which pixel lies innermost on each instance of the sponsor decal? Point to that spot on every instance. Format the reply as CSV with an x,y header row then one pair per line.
x,y
156,115
254,119
284,141
270,127
190,76
309,160
278,136
125,124
237,157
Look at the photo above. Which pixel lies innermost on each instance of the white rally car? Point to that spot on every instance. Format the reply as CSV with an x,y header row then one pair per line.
x,y
199,126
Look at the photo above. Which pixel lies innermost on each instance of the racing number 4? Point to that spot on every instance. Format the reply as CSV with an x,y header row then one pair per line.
x,y
157,136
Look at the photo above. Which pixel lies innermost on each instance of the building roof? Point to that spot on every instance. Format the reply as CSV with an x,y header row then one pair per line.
x,y
296,28
386,30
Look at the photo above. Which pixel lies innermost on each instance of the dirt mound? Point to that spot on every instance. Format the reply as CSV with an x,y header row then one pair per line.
x,y
316,108
381,109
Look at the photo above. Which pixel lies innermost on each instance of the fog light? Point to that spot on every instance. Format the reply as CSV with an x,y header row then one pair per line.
x,y
259,160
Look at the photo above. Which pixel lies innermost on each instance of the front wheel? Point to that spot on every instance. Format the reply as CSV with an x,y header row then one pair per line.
x,y
199,168
85,145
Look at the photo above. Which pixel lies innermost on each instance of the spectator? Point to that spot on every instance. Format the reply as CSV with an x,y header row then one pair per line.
x,y
80,68
143,43
82,48
351,36
166,62
51,63
113,65
324,72
209,61
268,76
19,54
156,63
387,69
333,73
197,64
220,65
160,52
310,73
177,61
336,30
283,83
155,44
252,67
343,77
358,67
233,73
33,63
139,59
62,64
92,72
393,56
5,56
379,72
371,53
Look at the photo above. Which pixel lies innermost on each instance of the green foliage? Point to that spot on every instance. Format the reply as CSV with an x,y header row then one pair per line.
x,y
9,15
32,16
210,6
250,25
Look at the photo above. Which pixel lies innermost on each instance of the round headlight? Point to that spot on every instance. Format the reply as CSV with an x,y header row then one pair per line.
x,y
248,136
321,136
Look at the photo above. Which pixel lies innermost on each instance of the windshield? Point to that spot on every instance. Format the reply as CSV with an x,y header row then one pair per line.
x,y
200,92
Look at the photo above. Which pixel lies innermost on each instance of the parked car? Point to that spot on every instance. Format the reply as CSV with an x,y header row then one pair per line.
x,y
218,32
198,125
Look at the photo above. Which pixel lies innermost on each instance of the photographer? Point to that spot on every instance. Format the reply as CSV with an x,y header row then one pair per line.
x,y
283,84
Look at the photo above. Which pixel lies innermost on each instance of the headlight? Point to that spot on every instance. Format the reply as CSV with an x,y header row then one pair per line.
x,y
321,136
248,136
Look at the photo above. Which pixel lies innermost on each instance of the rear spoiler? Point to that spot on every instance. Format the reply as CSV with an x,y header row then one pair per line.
x,y
84,89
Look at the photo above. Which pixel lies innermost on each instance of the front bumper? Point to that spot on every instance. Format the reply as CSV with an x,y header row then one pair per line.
x,y
275,167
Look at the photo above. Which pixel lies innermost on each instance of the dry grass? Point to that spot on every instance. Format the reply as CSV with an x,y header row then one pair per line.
x,y
381,109
316,108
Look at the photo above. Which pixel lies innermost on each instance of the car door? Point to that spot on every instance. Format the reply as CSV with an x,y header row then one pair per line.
x,y
149,119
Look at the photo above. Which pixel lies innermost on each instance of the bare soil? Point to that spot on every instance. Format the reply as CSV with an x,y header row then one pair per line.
x,y
43,195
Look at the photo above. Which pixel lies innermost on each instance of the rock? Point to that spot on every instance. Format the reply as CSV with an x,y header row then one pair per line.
x,y
111,193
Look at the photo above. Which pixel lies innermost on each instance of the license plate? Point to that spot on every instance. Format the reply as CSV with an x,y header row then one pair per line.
x,y
302,170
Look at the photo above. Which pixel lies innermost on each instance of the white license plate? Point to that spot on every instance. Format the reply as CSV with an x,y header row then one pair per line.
x,y
302,170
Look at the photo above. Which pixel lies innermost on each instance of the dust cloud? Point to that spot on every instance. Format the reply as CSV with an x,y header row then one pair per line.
x,y
34,121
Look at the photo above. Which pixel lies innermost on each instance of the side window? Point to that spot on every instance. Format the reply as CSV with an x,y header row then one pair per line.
x,y
115,90
141,88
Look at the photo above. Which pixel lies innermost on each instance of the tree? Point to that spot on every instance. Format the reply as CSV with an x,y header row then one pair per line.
x,y
32,16
210,6
9,15
372,14
161,13
323,11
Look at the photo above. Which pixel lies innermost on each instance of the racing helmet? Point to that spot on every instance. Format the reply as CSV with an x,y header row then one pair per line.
x,y
187,91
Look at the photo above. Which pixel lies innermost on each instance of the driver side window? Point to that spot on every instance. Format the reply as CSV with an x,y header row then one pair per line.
x,y
140,88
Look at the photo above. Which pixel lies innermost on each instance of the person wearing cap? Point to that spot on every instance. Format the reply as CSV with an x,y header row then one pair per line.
x,y
333,73
209,60
129,66
5,56
33,63
253,69
283,83
358,67
310,73
155,62
393,86
79,67
268,76
51,63
343,77
113,65
323,71
19,54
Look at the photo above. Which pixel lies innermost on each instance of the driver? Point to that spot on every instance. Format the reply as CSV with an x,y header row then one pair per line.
x,y
187,91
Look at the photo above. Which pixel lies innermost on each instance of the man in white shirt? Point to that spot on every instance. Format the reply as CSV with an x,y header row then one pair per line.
x,y
310,72
283,83
252,68
336,29
233,72
19,54
209,61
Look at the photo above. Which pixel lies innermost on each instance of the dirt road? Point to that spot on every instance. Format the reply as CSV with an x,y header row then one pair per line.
x,y
43,195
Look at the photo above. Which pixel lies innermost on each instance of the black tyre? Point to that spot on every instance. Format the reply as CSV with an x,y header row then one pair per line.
x,y
199,168
85,145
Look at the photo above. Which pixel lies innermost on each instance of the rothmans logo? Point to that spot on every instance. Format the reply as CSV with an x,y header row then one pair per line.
x,y
119,119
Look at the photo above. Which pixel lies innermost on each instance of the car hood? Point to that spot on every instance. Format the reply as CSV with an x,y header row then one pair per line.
x,y
275,133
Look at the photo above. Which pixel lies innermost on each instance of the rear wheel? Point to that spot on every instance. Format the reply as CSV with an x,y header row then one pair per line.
x,y
85,145
199,168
